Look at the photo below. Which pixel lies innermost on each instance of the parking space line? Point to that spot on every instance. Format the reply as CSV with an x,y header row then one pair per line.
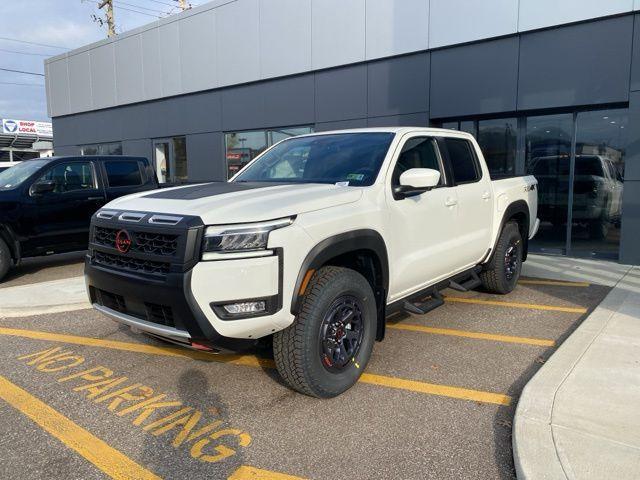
x,y
251,473
475,335
558,283
530,306
109,460
252,361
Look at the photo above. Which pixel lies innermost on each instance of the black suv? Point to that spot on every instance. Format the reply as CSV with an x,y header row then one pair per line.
x,y
46,204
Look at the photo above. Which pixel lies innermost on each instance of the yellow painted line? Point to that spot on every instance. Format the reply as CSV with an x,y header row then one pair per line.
x,y
251,473
436,389
475,335
553,282
111,461
531,306
252,361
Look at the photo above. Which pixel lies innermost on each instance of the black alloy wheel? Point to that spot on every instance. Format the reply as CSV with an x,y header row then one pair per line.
x,y
341,333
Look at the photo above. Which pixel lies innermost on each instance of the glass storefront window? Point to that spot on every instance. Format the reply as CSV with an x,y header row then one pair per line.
x,y
469,126
170,159
242,147
547,157
601,139
114,148
498,141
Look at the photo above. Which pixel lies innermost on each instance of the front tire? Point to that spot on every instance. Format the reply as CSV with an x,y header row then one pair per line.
x,y
501,274
327,347
5,259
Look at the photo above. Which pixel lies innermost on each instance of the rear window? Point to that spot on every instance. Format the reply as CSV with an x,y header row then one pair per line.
x,y
123,174
463,163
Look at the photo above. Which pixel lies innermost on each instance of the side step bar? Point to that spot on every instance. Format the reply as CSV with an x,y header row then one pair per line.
x,y
420,308
473,282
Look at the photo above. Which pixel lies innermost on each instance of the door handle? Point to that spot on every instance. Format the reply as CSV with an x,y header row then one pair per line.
x,y
450,202
486,196
95,198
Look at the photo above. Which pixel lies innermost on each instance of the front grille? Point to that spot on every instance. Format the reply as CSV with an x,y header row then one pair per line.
x,y
131,264
161,314
141,242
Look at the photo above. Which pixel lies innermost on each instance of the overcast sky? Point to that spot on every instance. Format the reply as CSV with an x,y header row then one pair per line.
x,y
61,23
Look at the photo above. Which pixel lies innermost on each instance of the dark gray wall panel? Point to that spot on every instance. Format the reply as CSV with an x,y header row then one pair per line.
x,y
243,107
205,156
145,120
341,93
576,65
398,85
635,61
409,120
201,112
138,148
629,246
289,101
342,124
474,79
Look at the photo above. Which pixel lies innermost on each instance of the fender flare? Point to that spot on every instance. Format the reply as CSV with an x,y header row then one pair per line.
x,y
514,208
364,239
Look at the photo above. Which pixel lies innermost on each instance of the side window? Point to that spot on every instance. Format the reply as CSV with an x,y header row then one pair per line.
x,y
463,163
417,152
123,173
71,177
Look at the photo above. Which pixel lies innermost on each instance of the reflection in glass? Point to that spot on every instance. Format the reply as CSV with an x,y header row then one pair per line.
x,y
548,154
180,156
498,141
468,126
242,147
114,148
601,141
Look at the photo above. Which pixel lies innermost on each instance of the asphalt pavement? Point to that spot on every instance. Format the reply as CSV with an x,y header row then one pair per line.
x,y
436,401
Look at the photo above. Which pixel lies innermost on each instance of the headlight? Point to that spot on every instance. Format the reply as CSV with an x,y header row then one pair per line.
x,y
246,237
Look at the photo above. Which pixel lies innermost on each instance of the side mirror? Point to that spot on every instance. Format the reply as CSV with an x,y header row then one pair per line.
x,y
416,181
45,186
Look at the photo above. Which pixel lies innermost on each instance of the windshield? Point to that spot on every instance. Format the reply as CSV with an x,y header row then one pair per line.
x,y
14,176
350,158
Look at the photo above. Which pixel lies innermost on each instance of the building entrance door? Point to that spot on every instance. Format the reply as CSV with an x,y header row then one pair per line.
x,y
164,161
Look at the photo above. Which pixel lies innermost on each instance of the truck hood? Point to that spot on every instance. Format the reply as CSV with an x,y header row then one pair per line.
x,y
221,202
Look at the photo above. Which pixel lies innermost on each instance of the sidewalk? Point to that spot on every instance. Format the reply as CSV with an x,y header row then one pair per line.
x,y
579,417
44,297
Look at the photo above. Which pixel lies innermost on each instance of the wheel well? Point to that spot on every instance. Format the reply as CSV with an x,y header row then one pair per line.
x,y
7,238
522,220
368,264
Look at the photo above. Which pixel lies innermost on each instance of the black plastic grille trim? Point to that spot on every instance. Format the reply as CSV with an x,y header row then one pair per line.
x,y
131,264
142,242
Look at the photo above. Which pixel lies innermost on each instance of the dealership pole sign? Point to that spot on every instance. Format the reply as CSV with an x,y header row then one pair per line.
x,y
26,127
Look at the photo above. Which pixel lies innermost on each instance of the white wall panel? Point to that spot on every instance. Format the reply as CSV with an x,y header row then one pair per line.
x,y
103,76
80,82
338,34
198,61
285,37
396,26
151,67
237,41
129,72
544,13
169,42
636,4
59,87
459,21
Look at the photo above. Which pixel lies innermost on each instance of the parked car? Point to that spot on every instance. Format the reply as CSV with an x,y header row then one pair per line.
x,y
46,204
597,191
311,245
5,165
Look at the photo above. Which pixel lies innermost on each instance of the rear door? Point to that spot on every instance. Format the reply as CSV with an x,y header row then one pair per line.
x,y
125,176
59,220
475,203
421,226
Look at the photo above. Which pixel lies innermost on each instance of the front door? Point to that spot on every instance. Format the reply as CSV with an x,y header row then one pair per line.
x,y
59,220
422,226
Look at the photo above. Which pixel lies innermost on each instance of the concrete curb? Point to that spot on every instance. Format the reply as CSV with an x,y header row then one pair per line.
x,y
537,454
56,296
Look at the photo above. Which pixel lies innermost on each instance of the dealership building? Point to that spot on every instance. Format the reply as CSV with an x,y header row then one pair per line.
x,y
548,87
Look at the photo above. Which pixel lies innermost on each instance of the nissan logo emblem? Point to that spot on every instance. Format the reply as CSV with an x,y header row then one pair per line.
x,y
123,241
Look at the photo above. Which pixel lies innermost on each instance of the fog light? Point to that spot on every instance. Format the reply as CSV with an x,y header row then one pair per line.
x,y
246,307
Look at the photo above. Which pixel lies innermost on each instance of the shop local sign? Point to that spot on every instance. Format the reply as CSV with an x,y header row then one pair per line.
x,y
28,127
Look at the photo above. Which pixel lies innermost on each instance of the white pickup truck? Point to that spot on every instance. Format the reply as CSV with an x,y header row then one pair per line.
x,y
311,246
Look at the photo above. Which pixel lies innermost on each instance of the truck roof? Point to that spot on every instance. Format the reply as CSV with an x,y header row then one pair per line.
x,y
397,130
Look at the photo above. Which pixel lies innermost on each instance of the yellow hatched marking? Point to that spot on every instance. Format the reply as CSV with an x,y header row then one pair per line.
x,y
475,335
111,461
531,306
558,283
252,361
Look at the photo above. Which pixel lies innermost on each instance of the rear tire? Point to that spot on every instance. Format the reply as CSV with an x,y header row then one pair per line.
x,y
5,259
304,352
501,274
